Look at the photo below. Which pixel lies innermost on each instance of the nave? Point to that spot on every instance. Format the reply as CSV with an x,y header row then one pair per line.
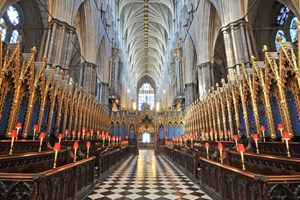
x,y
147,176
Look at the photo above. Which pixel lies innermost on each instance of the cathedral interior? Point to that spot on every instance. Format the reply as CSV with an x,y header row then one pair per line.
x,y
150,99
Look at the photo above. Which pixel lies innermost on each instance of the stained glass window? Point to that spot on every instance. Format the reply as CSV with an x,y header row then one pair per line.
x,y
10,24
13,15
293,29
277,44
146,96
2,28
282,15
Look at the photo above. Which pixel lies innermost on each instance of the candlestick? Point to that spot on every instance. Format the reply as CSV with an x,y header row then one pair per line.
x,y
66,134
92,133
75,150
263,129
73,134
56,149
236,137
207,147
88,144
78,135
220,147
35,128
42,136
98,134
286,137
13,135
229,135
60,136
18,127
280,128
241,149
255,138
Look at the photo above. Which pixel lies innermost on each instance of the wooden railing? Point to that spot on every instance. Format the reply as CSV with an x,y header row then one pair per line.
x,y
71,181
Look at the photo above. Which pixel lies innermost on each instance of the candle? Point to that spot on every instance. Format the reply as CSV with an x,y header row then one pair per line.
x,y
286,137
76,145
78,135
203,135
263,129
255,138
18,127
60,136
88,145
98,134
220,147
83,132
221,135
73,134
13,135
42,136
56,149
241,149
229,134
280,128
103,138
207,147
211,134
92,133
35,128
66,134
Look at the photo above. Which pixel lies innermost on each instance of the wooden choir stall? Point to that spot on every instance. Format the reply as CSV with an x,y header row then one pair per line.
x,y
54,137
242,138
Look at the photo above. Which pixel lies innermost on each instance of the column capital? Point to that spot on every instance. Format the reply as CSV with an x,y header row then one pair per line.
x,y
206,64
60,24
89,64
235,25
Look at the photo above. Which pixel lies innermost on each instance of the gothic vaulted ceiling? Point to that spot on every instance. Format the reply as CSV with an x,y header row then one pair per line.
x,y
146,28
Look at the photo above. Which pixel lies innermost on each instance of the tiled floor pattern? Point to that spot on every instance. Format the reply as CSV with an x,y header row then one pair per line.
x,y
147,177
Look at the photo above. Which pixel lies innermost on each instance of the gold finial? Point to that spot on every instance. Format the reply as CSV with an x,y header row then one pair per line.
x,y
253,58
44,59
279,37
265,48
217,85
53,66
33,50
20,39
297,24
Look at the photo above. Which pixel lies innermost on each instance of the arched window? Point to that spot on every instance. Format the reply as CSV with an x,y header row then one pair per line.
x,y
11,24
293,30
286,26
282,15
146,96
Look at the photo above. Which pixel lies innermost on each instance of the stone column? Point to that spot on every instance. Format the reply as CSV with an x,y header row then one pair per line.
x,y
89,77
239,45
105,94
205,77
190,93
57,46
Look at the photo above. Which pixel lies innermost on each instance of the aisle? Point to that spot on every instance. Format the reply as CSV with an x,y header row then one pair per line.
x,y
147,177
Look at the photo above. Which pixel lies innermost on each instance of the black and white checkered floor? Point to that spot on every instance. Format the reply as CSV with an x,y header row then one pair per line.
x,y
147,177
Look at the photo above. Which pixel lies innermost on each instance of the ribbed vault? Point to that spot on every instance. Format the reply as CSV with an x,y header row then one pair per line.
x,y
146,28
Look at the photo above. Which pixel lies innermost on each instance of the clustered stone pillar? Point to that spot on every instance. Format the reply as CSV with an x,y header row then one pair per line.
x,y
105,94
190,93
205,77
89,77
239,45
58,43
